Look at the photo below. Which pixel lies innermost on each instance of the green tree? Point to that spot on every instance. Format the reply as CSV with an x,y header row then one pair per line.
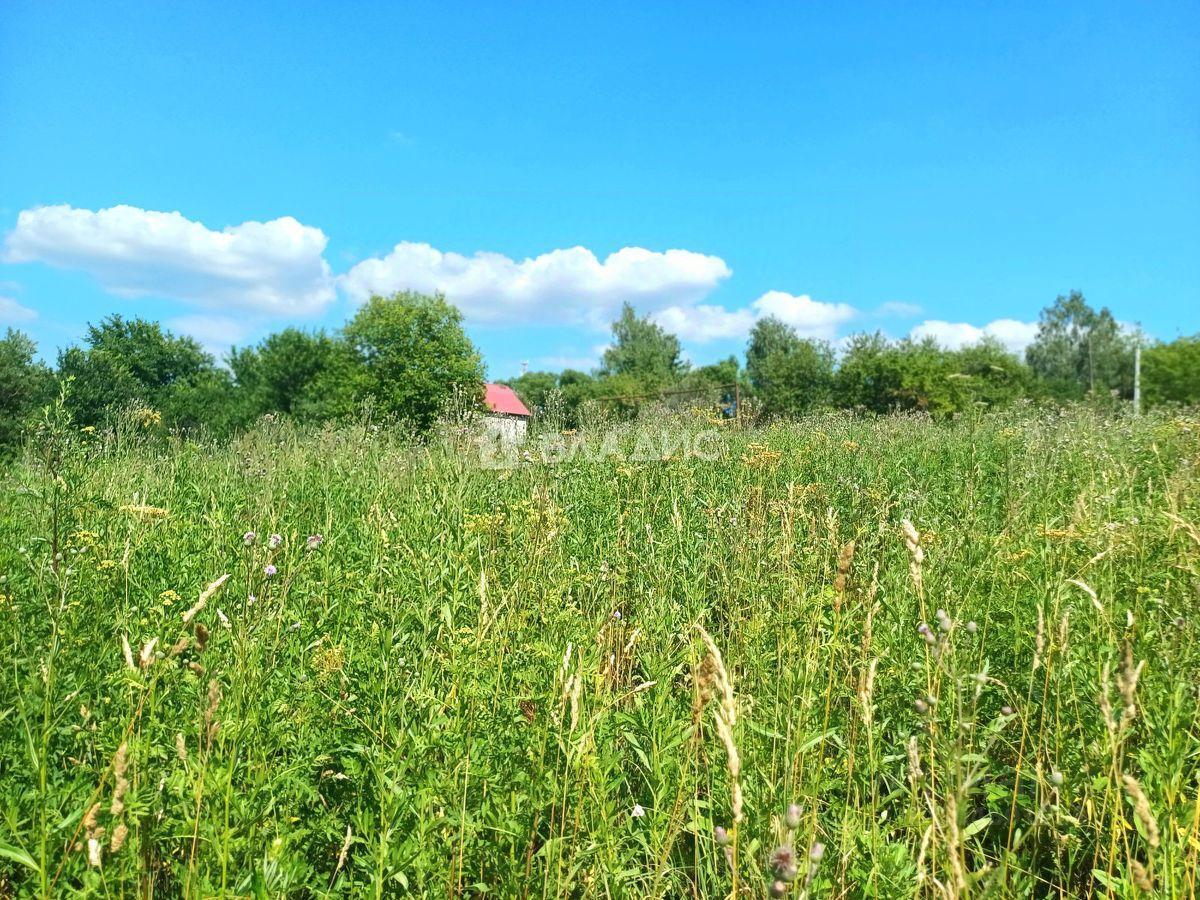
x,y
412,354
534,387
1080,352
643,350
863,379
126,361
991,374
1171,372
25,385
310,376
789,374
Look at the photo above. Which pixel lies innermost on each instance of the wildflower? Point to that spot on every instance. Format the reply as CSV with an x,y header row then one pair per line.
x,y
783,862
251,599
314,541
269,570
721,836
972,627
1006,710
637,812
921,706
1056,778
249,538
791,816
816,852
778,888
274,541
923,629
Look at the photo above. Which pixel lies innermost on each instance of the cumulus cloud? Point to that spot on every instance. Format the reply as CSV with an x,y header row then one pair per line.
x,y
1012,333
704,323
270,268
811,318
568,286
12,312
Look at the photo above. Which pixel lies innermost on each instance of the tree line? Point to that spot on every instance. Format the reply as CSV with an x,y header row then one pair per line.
x,y
407,356
1079,353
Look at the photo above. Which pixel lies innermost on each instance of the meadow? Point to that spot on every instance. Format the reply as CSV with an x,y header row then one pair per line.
x,y
839,657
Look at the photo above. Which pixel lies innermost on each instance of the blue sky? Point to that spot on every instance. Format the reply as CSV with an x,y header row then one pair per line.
x,y
232,168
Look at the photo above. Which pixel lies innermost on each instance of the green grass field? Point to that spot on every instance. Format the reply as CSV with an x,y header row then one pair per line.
x,y
501,681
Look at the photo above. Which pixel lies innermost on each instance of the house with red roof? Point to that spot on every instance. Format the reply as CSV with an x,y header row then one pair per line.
x,y
507,417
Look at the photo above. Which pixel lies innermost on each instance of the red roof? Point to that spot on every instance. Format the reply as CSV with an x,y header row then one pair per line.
x,y
501,398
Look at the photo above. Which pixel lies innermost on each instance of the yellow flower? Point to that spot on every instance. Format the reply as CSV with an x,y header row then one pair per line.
x,y
144,512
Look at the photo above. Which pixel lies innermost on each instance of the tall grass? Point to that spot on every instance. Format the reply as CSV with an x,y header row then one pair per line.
x,y
846,658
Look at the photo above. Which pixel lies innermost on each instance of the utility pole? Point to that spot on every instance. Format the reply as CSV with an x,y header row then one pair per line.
x,y
1137,378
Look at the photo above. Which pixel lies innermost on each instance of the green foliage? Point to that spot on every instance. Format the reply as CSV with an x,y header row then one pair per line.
x,y
1079,351
644,351
790,376
1171,372
534,388
411,353
25,385
309,376
128,362
440,697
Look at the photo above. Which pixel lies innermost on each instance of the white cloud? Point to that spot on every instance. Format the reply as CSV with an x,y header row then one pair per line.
x,y
12,312
899,309
702,323
811,318
271,268
563,286
1013,334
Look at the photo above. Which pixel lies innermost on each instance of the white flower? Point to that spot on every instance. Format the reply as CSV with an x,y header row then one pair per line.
x,y
637,812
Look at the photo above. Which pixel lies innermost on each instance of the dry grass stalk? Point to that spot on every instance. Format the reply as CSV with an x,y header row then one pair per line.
x,y
205,596
1140,876
845,561
715,682
916,553
120,782
1141,809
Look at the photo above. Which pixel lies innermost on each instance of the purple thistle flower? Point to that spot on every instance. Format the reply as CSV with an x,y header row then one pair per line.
x,y
314,541
269,570
783,861
274,541
249,538
721,836
816,852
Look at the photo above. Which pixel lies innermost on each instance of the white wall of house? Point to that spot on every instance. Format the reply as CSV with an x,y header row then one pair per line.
x,y
509,429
